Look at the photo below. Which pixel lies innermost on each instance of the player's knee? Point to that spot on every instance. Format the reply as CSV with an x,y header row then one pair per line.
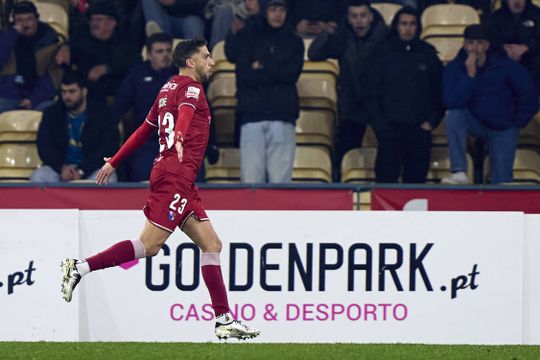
x,y
153,249
212,245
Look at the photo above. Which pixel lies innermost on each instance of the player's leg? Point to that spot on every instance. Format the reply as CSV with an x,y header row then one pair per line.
x,y
204,236
148,244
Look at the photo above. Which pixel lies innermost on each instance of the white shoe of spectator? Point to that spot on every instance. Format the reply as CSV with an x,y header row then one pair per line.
x,y
457,178
152,28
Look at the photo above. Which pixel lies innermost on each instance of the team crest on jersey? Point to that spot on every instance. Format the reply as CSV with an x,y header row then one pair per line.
x,y
171,215
193,92
162,102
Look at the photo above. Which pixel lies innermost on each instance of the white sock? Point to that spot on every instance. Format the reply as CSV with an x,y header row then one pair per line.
x,y
82,267
224,318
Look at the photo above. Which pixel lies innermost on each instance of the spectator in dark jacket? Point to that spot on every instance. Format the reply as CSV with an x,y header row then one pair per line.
x,y
404,102
352,43
27,66
178,18
515,30
74,135
267,69
311,17
138,91
488,96
253,8
102,53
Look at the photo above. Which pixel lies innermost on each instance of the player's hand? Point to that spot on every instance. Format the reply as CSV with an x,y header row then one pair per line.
x,y
105,172
179,147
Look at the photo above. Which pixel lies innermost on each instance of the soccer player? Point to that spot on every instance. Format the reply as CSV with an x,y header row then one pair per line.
x,y
181,115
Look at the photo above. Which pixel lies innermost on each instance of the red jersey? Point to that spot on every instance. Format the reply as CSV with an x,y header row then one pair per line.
x,y
179,92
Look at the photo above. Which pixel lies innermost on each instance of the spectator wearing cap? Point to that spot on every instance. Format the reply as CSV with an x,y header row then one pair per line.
x,y
403,98
102,53
178,18
268,65
27,66
514,29
138,92
489,96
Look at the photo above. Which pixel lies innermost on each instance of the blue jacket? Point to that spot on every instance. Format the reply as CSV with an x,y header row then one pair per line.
x,y
501,95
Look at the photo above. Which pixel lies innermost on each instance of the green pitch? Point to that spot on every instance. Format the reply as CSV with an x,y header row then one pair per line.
x,y
235,351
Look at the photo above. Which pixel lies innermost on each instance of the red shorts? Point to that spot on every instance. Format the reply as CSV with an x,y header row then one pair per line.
x,y
172,201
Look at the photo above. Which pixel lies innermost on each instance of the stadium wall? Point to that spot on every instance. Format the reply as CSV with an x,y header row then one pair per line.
x,y
300,276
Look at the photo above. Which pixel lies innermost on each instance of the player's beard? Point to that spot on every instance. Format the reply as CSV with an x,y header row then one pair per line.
x,y
203,76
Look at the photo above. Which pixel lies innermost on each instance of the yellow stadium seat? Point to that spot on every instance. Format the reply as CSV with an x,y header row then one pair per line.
x,y
358,166
222,89
440,165
526,167
530,134
54,15
317,91
227,169
449,15
387,10
370,139
315,128
312,164
17,161
19,125
438,135
63,3
224,119
447,47
218,55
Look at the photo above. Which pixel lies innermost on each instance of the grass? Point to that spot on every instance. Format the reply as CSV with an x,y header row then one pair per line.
x,y
235,351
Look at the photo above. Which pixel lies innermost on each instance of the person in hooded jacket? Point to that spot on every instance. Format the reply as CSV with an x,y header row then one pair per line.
x,y
488,96
352,44
267,68
403,96
514,29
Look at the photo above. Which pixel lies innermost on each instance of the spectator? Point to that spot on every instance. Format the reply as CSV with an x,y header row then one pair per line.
x,y
241,20
28,69
102,53
312,17
404,87
515,30
178,18
268,66
138,91
352,43
74,135
488,96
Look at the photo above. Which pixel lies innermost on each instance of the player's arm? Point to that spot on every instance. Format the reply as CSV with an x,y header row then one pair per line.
x,y
185,115
138,138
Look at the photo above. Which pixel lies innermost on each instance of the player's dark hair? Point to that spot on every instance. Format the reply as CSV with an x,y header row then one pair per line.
x,y
74,77
185,49
158,38
359,3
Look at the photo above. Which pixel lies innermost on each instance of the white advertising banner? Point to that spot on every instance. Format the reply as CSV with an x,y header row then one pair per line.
x,y
531,281
314,276
32,244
